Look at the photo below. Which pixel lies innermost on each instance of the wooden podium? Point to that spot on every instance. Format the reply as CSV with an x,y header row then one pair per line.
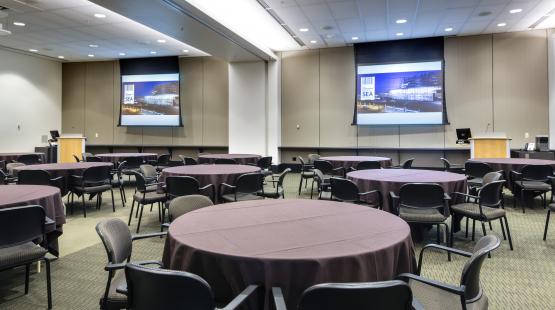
x,y
69,146
493,145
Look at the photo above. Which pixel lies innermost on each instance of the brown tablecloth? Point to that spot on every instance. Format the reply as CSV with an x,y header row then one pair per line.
x,y
46,196
512,164
351,161
63,169
116,157
241,159
292,244
391,180
8,157
210,174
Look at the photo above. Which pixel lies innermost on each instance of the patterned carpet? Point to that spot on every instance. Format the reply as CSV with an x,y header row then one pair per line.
x,y
519,279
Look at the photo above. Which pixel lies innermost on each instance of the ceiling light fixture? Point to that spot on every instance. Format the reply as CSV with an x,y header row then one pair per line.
x,y
99,15
354,38
20,24
303,29
61,57
185,51
91,55
122,54
514,11
33,50
313,41
161,41
401,21
399,34
501,24
449,29
153,52
93,45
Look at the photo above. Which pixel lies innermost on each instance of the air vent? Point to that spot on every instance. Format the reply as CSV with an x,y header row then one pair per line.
x,y
280,22
4,32
541,19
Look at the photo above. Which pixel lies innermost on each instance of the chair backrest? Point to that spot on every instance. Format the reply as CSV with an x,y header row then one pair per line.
x,y
155,288
149,171
492,177
29,159
323,165
249,183
312,158
476,169
366,165
35,177
390,295
181,186
11,166
76,158
303,163
3,165
96,175
116,237
282,177
491,194
3,177
85,155
188,160
536,172
344,190
470,276
133,162
421,195
319,176
265,162
446,163
93,159
163,159
225,161
140,181
186,204
407,164
19,225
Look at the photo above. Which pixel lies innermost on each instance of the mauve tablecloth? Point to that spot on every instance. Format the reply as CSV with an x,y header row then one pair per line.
x,y
391,180
210,174
351,161
117,157
292,244
241,159
512,164
63,169
8,157
46,196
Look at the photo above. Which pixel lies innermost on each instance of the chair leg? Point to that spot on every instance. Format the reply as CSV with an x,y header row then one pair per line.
x,y
466,232
27,270
503,229
140,216
300,183
113,202
131,212
508,233
546,225
84,206
522,202
72,202
159,213
490,228
437,234
311,189
473,229
48,283
447,240
484,228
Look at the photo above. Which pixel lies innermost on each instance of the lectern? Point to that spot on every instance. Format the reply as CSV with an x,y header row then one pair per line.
x,y
69,145
490,145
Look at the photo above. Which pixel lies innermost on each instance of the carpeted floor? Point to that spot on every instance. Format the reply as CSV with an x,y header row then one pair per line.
x,y
519,279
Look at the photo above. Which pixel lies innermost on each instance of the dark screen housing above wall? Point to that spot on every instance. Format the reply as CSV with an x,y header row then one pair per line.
x,y
150,92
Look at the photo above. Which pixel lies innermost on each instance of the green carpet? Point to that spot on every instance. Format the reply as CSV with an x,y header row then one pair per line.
x,y
519,279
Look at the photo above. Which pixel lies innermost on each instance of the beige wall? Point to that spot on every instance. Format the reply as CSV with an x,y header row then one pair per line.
x,y
90,105
499,79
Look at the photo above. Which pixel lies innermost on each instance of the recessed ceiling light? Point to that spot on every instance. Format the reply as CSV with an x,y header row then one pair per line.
x,y
161,41
401,21
514,11
449,29
99,15
93,45
354,38
501,24
399,34
153,52
91,55
20,24
33,50
303,29
122,54
313,41
185,51
61,57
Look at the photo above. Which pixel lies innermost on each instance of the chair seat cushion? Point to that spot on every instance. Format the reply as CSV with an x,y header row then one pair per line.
x,y
92,189
422,215
472,210
307,174
533,185
271,193
150,197
432,298
16,255
241,197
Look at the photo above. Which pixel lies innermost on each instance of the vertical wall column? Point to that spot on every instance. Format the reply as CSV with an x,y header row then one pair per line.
x,y
551,85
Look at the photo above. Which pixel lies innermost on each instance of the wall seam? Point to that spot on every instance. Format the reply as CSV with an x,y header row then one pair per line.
x,y
492,88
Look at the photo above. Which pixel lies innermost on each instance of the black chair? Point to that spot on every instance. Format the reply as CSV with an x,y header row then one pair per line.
x,y
390,295
118,242
185,204
265,165
247,187
119,182
486,208
162,162
423,203
306,173
93,159
177,186
278,185
132,165
407,164
154,288
41,177
77,159
312,157
2,165
432,294
94,181
449,167
347,191
20,227
29,159
144,196
149,172
85,155
187,161
225,161
475,172
327,168
533,179
322,183
5,178
367,165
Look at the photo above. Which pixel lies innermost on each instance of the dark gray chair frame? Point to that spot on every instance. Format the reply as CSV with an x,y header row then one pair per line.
x,y
29,159
407,164
306,173
450,167
142,188
347,191
92,177
531,173
239,186
225,161
367,165
322,183
278,185
327,168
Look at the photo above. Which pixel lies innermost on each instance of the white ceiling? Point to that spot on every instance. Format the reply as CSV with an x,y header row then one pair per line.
x,y
68,27
375,20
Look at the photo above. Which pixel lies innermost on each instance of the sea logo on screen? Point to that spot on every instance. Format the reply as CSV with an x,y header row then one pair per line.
x,y
368,88
129,94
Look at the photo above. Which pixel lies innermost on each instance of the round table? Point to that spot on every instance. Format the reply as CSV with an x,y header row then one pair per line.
x,y
290,243
241,159
8,157
391,180
512,164
210,174
46,196
63,169
117,157
351,161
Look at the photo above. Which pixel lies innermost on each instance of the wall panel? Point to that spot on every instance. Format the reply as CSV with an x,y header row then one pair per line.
x,y
99,120
215,94
73,98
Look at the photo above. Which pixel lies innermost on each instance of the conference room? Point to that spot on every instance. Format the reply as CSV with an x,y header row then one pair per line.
x,y
277,154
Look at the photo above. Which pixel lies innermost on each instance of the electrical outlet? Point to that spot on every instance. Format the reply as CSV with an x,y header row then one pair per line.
x,y
96,135
294,158
526,135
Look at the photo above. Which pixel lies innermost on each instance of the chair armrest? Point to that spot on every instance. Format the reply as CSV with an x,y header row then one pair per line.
x,y
239,299
377,192
279,301
113,267
463,194
48,221
226,185
459,290
206,187
148,262
446,196
439,247
166,225
149,235
251,164
393,195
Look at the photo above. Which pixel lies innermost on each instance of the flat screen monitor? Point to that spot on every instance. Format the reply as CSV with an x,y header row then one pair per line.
x,y
54,134
463,133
